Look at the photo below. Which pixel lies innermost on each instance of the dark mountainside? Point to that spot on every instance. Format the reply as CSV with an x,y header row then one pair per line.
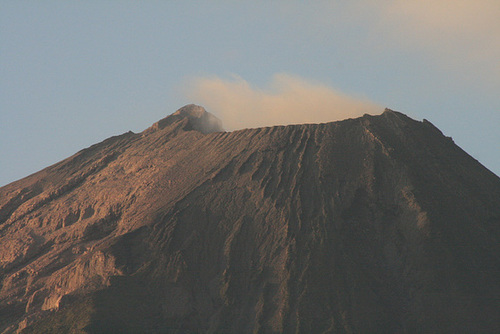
x,y
378,224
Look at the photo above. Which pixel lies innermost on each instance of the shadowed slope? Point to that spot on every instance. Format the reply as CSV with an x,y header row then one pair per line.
x,y
375,224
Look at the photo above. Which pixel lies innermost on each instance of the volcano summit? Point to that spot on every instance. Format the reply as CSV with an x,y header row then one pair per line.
x,y
379,224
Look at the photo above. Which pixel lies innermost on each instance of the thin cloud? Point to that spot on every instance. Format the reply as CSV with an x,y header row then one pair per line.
x,y
459,31
459,36
286,100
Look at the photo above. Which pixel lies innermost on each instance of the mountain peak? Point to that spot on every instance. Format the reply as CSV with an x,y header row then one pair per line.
x,y
197,119
368,225
191,111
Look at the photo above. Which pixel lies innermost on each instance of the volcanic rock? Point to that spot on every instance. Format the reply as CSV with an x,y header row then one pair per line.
x,y
379,224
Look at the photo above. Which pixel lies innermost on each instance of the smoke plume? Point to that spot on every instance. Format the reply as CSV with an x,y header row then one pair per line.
x,y
286,100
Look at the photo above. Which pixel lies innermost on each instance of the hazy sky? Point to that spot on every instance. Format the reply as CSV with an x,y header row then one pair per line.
x,y
73,73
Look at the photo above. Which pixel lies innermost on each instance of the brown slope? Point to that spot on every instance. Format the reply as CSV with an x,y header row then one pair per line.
x,y
377,224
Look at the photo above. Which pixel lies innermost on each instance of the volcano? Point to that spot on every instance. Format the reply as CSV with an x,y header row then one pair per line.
x,y
379,224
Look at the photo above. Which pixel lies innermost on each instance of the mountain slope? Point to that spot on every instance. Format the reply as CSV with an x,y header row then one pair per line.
x,y
375,224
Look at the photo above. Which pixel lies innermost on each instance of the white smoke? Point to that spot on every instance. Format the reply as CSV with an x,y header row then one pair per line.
x,y
286,100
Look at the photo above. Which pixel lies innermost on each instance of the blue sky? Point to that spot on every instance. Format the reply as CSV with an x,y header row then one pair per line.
x,y
73,73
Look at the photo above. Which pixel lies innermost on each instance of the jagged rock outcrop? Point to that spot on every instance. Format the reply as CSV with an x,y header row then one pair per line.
x,y
375,224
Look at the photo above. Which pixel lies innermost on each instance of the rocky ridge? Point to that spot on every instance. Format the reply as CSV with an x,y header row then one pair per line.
x,y
374,224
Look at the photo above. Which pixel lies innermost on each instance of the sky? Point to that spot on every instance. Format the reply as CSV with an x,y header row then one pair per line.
x,y
73,73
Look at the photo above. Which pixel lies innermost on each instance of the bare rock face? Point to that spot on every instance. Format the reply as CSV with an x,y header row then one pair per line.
x,y
372,225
